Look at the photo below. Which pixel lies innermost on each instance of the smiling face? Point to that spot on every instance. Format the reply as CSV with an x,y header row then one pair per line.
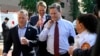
x,y
41,10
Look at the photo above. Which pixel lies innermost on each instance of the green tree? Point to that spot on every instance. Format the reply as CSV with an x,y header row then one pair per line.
x,y
88,5
30,5
74,8
49,2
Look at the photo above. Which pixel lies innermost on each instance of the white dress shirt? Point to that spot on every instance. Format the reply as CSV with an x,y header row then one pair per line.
x,y
44,17
66,29
83,37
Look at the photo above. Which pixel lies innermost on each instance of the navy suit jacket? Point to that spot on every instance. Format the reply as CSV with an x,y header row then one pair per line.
x,y
13,38
34,20
42,45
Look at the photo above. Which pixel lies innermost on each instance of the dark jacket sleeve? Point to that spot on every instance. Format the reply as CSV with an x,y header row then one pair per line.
x,y
33,20
33,41
8,43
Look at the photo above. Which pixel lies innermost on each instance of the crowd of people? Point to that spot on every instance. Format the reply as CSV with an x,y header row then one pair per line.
x,y
50,34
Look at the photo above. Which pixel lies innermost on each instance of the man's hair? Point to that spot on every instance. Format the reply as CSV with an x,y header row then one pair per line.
x,y
25,12
6,18
57,6
89,21
41,3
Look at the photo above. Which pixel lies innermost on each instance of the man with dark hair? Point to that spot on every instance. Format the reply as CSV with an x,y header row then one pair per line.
x,y
39,21
5,29
86,25
56,31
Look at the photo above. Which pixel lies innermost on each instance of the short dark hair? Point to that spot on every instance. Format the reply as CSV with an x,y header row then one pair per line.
x,y
55,5
6,18
89,21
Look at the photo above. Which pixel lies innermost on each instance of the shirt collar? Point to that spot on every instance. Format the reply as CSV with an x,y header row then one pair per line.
x,y
59,19
83,33
24,26
44,16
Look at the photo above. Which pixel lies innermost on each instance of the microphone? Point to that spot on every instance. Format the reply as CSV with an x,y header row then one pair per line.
x,y
71,40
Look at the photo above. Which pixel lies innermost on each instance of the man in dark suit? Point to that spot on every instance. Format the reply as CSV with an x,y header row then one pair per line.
x,y
5,29
23,36
39,21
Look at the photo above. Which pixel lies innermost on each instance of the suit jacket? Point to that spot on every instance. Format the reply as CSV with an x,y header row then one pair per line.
x,y
42,45
34,20
5,28
13,37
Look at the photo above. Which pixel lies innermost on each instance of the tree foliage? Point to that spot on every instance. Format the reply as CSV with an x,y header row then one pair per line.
x,y
74,8
88,5
30,5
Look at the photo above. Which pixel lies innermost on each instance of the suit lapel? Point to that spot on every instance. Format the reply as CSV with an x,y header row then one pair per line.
x,y
17,36
27,31
47,19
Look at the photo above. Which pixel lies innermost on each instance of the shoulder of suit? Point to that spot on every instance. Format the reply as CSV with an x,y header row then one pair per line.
x,y
13,28
35,16
47,15
3,22
31,27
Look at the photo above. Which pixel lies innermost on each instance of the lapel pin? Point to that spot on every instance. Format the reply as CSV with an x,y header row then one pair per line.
x,y
28,29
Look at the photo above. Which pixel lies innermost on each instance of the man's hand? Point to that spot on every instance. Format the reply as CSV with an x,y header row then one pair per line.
x,y
4,54
39,23
24,41
50,23
71,49
85,46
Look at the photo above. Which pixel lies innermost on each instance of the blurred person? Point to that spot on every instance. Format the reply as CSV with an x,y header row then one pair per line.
x,y
39,21
96,49
86,25
56,31
21,36
5,29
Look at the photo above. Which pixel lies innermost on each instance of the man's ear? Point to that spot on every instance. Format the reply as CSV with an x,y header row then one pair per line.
x,y
82,26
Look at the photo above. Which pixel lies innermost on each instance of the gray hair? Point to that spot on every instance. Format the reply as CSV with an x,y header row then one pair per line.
x,y
56,5
25,12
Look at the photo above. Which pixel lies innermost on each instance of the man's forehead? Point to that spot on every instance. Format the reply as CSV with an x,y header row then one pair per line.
x,y
21,14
